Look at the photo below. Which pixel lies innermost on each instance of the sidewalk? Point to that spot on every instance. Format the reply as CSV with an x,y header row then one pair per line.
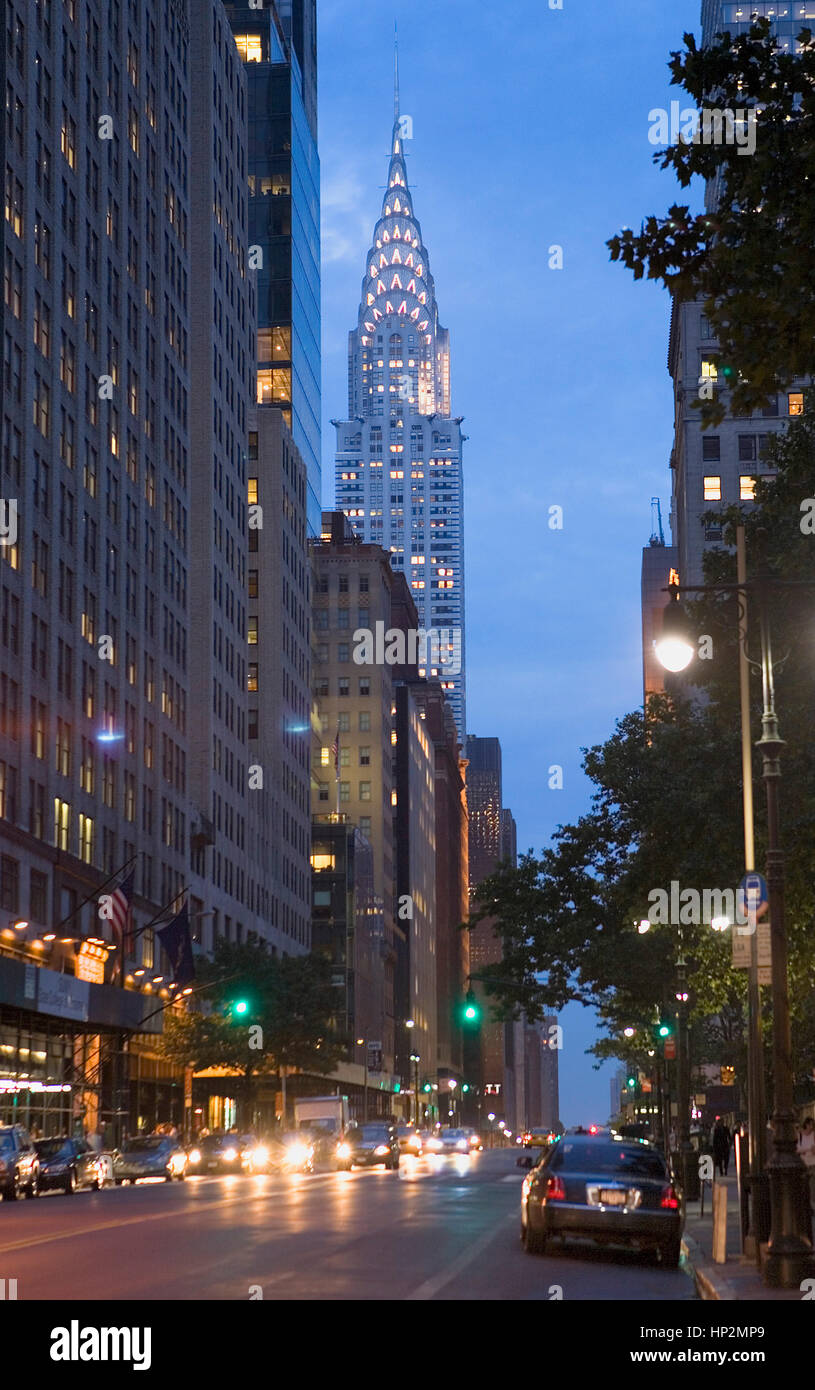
x,y
736,1280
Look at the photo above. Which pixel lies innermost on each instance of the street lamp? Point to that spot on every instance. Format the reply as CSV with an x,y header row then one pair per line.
x,y
363,1042
789,1251
415,1059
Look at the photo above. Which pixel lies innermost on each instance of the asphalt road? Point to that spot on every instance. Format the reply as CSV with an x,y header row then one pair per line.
x,y
438,1229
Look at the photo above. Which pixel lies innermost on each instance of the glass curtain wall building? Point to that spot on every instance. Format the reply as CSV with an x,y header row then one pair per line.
x,y
278,46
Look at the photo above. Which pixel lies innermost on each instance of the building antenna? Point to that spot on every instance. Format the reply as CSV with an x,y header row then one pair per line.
x,y
395,72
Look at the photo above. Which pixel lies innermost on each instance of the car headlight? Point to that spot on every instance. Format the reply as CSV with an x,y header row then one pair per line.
x,y
473,1141
343,1151
414,1142
195,1155
434,1144
230,1155
298,1154
178,1162
260,1154
381,1150
461,1143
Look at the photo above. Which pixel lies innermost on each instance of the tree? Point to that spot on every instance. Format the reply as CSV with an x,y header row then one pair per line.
x,y
752,259
286,1023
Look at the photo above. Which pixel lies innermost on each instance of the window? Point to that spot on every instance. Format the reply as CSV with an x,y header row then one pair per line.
x,y
343,687
364,757
771,410
343,584
365,824
85,838
711,448
713,489
343,618
252,632
364,791
252,678
709,368
345,791
38,896
62,824
747,488
344,722
343,652
364,721
747,448
795,403
9,883
365,685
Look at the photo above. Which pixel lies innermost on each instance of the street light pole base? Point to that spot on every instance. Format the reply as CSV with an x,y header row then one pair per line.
x,y
789,1257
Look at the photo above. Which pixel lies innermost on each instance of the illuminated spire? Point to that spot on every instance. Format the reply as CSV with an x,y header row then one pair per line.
x,y
395,72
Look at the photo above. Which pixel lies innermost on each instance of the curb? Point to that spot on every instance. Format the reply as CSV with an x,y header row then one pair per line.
x,y
710,1284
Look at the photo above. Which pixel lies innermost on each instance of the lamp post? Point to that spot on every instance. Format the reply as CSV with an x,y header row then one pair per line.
x,y
363,1042
415,1059
789,1252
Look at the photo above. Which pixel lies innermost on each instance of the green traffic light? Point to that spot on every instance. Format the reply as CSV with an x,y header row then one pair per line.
x,y
632,1081
664,1030
427,1086
241,1007
465,1088
471,1011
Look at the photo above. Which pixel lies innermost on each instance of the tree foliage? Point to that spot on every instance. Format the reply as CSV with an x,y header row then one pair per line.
x,y
751,257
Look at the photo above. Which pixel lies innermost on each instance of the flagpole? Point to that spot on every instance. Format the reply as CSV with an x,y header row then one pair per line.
x,y
97,891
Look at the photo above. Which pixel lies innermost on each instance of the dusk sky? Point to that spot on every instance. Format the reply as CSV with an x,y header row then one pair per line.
x,y
530,129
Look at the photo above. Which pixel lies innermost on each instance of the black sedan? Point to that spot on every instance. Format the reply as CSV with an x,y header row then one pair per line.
x,y
366,1146
220,1153
67,1164
611,1190
149,1156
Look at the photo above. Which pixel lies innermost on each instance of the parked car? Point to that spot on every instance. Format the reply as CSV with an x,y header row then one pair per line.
x,y
290,1152
67,1164
149,1156
366,1146
611,1190
19,1163
220,1153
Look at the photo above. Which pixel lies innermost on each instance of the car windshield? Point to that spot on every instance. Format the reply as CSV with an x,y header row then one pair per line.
x,y
6,1142
605,1157
369,1133
454,1134
153,1141
49,1148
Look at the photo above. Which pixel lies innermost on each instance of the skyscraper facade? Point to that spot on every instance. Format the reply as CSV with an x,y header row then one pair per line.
x,y
715,468
399,454
278,44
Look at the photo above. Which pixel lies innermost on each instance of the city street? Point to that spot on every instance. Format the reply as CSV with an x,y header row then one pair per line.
x,y
438,1229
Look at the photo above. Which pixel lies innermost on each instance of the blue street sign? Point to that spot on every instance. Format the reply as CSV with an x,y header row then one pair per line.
x,y
753,896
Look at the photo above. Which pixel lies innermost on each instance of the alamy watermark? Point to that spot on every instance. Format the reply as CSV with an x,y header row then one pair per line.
x,y
438,648
686,907
710,126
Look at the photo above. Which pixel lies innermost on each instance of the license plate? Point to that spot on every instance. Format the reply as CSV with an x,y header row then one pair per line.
x,y
212,1165
609,1197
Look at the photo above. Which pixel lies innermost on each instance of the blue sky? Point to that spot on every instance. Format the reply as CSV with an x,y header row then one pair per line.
x,y
530,130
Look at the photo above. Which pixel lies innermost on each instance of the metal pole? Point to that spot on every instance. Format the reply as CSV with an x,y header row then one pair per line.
x,y
756,1103
789,1252
365,1092
689,1166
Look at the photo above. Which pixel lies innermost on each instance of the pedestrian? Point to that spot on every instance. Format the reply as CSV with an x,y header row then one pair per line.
x,y
721,1146
806,1148
96,1139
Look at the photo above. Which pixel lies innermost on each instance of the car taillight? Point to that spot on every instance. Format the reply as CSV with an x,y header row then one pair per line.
x,y
669,1199
555,1190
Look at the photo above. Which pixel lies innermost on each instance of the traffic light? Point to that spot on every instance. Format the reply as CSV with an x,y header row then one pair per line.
x,y
471,1012
465,1088
397,1086
631,1082
427,1087
242,1006
237,1010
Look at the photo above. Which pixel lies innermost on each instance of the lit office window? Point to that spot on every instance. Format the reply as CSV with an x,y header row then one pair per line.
x,y
747,490
713,489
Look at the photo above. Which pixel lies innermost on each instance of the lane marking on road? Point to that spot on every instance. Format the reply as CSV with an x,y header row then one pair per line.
x,y
431,1287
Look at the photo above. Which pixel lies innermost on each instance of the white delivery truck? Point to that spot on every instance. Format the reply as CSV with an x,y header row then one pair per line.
x,y
326,1117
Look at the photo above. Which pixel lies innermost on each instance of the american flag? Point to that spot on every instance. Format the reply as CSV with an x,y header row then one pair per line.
x,y
120,900
336,751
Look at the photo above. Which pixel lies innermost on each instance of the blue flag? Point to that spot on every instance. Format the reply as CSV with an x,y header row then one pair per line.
x,y
177,942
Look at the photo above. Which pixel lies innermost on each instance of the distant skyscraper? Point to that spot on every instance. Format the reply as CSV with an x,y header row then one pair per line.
x,y
715,468
399,454
278,44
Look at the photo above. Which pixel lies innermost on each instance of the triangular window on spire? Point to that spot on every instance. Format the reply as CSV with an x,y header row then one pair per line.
x,y
373,272
409,260
387,212
415,315
397,235
397,206
369,326
402,307
422,298
381,287
412,287
383,260
396,283
419,270
386,236
377,314
388,307
370,299
423,325
396,259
